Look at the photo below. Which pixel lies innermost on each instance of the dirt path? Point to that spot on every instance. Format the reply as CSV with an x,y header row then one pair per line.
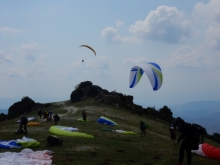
x,y
70,109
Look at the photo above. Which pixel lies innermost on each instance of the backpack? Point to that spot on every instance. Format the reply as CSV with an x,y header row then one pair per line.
x,y
197,137
53,140
56,117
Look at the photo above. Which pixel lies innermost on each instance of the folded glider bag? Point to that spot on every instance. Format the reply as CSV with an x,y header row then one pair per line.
x,y
32,123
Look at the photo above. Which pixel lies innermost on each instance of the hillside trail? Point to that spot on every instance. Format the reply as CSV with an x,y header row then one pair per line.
x,y
73,109
70,109
91,109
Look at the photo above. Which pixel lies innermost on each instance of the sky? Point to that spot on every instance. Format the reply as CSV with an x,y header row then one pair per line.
x,y
41,57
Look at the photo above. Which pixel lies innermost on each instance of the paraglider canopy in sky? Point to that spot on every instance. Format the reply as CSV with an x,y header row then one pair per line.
x,y
88,47
153,72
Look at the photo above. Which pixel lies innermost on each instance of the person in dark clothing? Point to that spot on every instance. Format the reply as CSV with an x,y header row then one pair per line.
x,y
56,118
23,122
84,115
50,115
143,127
186,137
172,132
40,113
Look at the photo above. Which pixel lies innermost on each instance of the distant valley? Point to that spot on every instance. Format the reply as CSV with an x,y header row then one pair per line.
x,y
204,113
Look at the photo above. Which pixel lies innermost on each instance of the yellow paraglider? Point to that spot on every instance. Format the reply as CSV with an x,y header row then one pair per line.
x,y
88,47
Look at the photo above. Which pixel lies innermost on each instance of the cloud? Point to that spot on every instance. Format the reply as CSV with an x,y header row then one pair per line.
x,y
98,66
28,51
111,34
5,58
97,63
135,61
189,57
208,16
14,73
165,24
119,23
186,56
35,71
207,12
213,37
7,30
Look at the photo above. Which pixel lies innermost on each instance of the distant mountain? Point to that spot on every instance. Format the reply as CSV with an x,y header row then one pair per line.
x,y
5,111
205,113
5,103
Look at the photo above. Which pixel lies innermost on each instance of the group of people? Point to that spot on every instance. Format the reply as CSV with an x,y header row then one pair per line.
x,y
180,124
186,137
47,115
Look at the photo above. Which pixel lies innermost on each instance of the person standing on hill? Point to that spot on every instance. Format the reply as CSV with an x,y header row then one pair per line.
x,y
143,127
50,115
23,122
56,118
40,113
172,132
84,115
186,137
46,115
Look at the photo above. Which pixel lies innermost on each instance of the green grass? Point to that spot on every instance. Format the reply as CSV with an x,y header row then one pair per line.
x,y
106,148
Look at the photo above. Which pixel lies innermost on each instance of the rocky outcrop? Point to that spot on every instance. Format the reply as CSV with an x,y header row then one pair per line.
x,y
101,96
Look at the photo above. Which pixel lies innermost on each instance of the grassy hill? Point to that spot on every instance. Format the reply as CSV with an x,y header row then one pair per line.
x,y
106,148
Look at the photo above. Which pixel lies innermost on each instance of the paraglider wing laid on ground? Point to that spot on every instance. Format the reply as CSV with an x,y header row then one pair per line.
x,y
19,143
105,120
9,144
88,47
29,119
118,131
26,142
153,72
26,157
68,131
209,151
81,119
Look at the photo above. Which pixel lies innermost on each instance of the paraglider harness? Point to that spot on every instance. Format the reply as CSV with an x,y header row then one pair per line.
x,y
56,117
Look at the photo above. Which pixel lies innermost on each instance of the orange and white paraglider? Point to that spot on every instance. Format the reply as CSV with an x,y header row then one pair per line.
x,y
88,47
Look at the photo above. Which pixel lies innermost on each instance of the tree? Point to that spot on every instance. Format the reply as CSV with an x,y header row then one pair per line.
x,y
166,114
20,108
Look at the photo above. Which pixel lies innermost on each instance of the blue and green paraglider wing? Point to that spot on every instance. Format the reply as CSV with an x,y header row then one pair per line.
x,y
153,72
